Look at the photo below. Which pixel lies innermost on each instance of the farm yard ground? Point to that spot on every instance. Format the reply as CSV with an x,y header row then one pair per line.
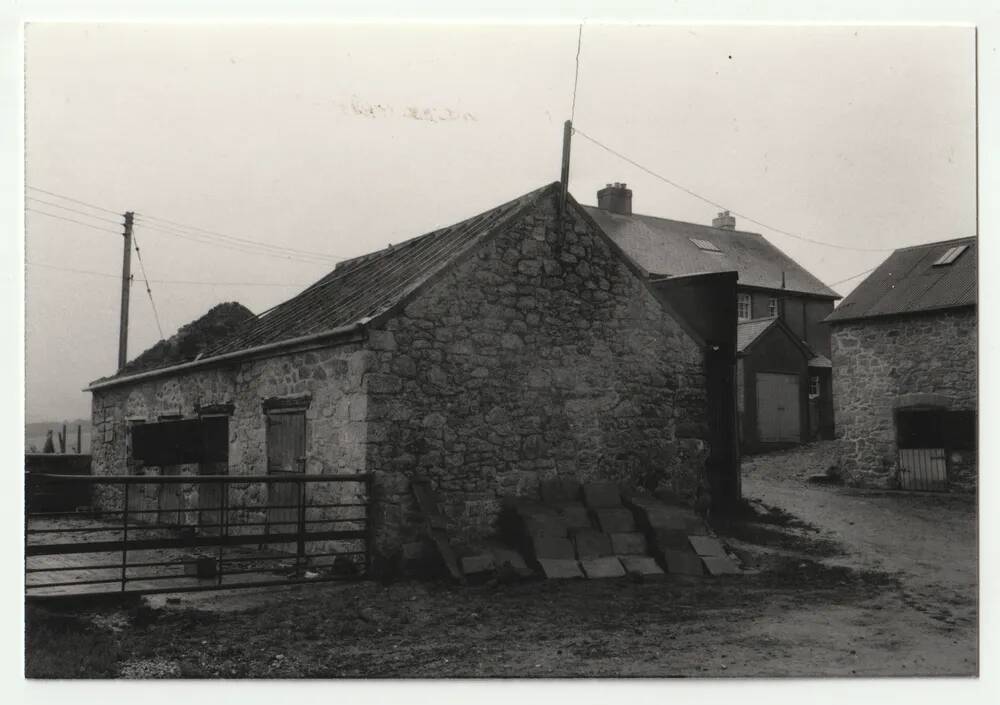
x,y
840,582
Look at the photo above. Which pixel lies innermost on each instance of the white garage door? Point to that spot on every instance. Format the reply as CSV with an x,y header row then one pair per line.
x,y
778,418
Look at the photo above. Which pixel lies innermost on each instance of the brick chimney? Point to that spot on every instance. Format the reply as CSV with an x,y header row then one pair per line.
x,y
616,198
724,221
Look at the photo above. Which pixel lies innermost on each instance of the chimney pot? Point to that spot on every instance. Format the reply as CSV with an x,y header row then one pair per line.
x,y
616,198
724,221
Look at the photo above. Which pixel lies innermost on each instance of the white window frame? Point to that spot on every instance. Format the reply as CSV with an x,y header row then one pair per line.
x,y
814,387
744,301
772,307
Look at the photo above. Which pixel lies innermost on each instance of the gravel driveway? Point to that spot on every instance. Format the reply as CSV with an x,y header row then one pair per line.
x,y
927,540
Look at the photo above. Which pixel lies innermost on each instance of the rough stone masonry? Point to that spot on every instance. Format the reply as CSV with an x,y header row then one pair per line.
x,y
539,353
542,354
877,362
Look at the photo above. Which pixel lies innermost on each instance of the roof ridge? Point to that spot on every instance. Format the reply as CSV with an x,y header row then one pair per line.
x,y
410,241
422,256
684,222
937,243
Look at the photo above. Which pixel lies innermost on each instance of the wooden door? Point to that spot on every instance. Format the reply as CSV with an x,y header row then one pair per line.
x,y
286,450
778,417
210,498
923,469
169,500
214,431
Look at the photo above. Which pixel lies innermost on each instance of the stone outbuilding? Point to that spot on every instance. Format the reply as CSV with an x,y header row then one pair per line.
x,y
905,370
513,347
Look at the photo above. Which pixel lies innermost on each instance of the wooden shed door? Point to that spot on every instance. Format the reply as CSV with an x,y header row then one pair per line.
x,y
215,451
778,418
286,450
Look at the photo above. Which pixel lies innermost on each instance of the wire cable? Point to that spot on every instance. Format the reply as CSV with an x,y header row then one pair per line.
x,y
576,73
149,292
74,210
74,200
859,274
158,281
719,205
179,227
60,217
194,237
240,240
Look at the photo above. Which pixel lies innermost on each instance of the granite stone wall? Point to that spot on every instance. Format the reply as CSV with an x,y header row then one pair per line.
x,y
540,355
881,364
329,378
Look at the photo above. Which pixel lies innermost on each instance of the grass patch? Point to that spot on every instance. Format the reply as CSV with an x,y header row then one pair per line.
x,y
65,646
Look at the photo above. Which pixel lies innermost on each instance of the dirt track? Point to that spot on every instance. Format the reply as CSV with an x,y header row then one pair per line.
x,y
877,585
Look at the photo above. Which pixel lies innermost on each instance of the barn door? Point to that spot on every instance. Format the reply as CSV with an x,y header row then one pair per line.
x,y
920,437
215,461
923,469
778,417
286,450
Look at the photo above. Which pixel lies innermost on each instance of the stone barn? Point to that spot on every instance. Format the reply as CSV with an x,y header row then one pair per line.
x,y
904,370
510,348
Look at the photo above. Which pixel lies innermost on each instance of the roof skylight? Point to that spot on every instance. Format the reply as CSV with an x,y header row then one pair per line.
x,y
704,245
951,255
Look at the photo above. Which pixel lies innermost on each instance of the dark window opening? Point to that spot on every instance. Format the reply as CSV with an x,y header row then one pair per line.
x,y
960,430
203,440
921,429
936,428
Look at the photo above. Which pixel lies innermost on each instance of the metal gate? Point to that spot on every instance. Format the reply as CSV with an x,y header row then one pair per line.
x,y
923,469
125,543
778,417
922,460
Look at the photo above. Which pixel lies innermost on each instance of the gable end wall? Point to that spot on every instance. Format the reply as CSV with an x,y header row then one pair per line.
x,y
539,355
877,360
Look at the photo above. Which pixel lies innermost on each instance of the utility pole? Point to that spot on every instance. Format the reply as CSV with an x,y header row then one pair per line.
x,y
126,285
564,176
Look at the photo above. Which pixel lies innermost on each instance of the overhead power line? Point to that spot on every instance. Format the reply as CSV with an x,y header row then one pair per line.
x,y
109,275
74,200
576,72
182,230
859,274
149,292
71,220
719,205
74,210
174,225
238,247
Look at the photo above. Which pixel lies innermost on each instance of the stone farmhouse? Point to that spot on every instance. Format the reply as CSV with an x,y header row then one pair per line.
x,y
904,370
520,345
784,393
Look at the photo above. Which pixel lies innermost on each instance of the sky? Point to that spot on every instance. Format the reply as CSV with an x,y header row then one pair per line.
x,y
334,140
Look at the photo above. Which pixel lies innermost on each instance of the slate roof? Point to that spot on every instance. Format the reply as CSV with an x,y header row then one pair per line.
x,y
908,282
820,361
748,331
363,287
664,247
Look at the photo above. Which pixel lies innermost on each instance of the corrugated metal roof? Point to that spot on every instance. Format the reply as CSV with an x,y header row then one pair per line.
x,y
908,282
365,286
748,331
665,247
